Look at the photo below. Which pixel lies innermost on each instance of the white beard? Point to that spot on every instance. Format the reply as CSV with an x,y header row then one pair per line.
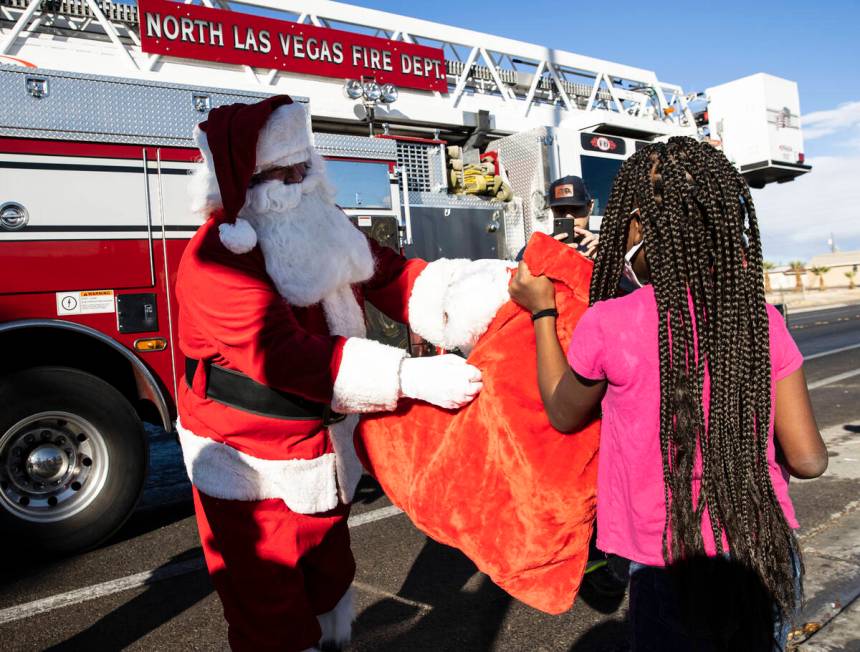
x,y
311,248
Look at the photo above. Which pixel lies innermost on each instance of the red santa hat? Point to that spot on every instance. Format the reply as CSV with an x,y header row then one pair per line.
x,y
239,140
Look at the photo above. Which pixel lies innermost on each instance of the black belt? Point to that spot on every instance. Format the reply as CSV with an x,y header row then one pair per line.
x,y
235,389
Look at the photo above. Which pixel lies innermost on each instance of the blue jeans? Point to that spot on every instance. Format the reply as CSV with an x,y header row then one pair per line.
x,y
657,616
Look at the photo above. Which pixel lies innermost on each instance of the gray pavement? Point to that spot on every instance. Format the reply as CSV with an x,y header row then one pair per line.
x,y
841,635
831,543
146,588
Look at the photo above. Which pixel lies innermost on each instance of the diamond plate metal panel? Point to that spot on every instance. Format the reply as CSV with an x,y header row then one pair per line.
x,y
106,109
525,161
444,200
515,231
437,170
335,145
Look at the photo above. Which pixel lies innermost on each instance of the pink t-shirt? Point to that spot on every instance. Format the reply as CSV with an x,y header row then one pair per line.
x,y
617,340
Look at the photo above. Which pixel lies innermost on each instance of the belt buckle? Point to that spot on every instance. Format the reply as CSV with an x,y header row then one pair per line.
x,y
330,417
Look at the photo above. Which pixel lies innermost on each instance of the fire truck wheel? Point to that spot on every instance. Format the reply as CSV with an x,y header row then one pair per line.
x,y
73,456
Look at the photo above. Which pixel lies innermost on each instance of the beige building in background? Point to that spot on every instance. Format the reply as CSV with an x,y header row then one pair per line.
x,y
839,262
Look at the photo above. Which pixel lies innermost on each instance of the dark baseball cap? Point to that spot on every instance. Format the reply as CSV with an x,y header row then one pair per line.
x,y
568,191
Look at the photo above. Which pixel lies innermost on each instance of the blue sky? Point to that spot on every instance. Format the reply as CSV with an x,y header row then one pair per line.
x,y
698,45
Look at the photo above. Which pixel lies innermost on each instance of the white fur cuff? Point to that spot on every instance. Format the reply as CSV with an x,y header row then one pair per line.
x,y
454,301
368,379
336,624
240,237
221,471
476,293
427,301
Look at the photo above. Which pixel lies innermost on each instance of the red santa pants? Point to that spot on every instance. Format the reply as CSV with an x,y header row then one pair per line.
x,y
275,570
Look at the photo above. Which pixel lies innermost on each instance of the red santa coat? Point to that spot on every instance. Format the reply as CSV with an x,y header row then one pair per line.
x,y
232,315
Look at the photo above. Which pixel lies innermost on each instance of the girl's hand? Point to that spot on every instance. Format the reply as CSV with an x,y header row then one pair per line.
x,y
533,293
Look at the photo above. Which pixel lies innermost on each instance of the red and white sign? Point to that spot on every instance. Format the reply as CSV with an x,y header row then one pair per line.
x,y
192,32
603,144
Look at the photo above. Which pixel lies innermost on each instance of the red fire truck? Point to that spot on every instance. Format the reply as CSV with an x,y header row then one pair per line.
x,y
96,116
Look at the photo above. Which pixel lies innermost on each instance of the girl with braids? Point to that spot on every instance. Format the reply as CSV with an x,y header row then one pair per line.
x,y
695,373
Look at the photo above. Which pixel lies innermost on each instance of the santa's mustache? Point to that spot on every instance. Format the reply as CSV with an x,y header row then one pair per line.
x,y
279,197
309,245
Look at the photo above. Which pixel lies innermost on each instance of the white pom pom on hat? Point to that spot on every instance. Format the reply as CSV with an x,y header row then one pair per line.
x,y
239,237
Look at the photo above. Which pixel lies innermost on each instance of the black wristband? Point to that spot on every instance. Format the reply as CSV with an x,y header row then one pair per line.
x,y
549,312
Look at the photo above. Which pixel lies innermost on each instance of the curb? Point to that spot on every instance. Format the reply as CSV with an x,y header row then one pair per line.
x,y
831,551
841,302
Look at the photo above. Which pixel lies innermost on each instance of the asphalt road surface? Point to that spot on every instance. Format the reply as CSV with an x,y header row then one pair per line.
x,y
146,588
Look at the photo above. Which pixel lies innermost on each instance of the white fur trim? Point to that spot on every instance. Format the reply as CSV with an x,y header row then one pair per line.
x,y
368,379
285,139
203,188
453,301
427,301
343,314
476,293
349,469
286,136
299,156
336,624
221,471
239,237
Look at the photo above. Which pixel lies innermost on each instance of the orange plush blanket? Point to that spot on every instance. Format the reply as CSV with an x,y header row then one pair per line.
x,y
494,478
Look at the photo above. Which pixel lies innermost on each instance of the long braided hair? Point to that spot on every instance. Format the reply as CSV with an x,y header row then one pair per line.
x,y
703,249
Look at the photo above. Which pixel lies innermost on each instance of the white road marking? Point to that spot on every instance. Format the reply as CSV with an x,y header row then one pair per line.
x,y
824,353
833,379
374,515
146,578
99,590
367,588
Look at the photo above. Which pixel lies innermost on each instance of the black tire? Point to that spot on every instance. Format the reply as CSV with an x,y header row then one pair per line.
x,y
109,451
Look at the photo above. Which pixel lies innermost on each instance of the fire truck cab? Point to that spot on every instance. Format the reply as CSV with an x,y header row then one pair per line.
x,y
96,120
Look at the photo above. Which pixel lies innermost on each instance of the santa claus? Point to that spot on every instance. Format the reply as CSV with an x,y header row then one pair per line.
x,y
279,367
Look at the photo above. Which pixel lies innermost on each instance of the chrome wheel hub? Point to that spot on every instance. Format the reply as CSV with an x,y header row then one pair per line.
x,y
52,465
47,463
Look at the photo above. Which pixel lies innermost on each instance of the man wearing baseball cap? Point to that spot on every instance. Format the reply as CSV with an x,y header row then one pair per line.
x,y
571,205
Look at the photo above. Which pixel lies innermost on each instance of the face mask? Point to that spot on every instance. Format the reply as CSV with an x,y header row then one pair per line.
x,y
628,274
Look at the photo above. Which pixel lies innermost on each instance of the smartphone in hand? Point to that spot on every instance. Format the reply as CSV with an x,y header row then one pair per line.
x,y
565,227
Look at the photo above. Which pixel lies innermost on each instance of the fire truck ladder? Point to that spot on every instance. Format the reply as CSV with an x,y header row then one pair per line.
x,y
503,72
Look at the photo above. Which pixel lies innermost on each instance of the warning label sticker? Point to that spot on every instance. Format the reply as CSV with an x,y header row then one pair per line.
x,y
86,302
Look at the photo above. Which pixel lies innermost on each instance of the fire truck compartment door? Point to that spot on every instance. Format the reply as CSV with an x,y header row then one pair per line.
x,y
456,233
89,223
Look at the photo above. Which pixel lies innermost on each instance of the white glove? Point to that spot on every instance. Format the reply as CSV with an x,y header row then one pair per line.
x,y
444,380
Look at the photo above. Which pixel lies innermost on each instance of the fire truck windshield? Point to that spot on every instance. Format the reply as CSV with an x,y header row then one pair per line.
x,y
599,172
360,184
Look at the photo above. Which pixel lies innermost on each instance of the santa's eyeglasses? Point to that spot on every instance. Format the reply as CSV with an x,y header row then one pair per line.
x,y
285,174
